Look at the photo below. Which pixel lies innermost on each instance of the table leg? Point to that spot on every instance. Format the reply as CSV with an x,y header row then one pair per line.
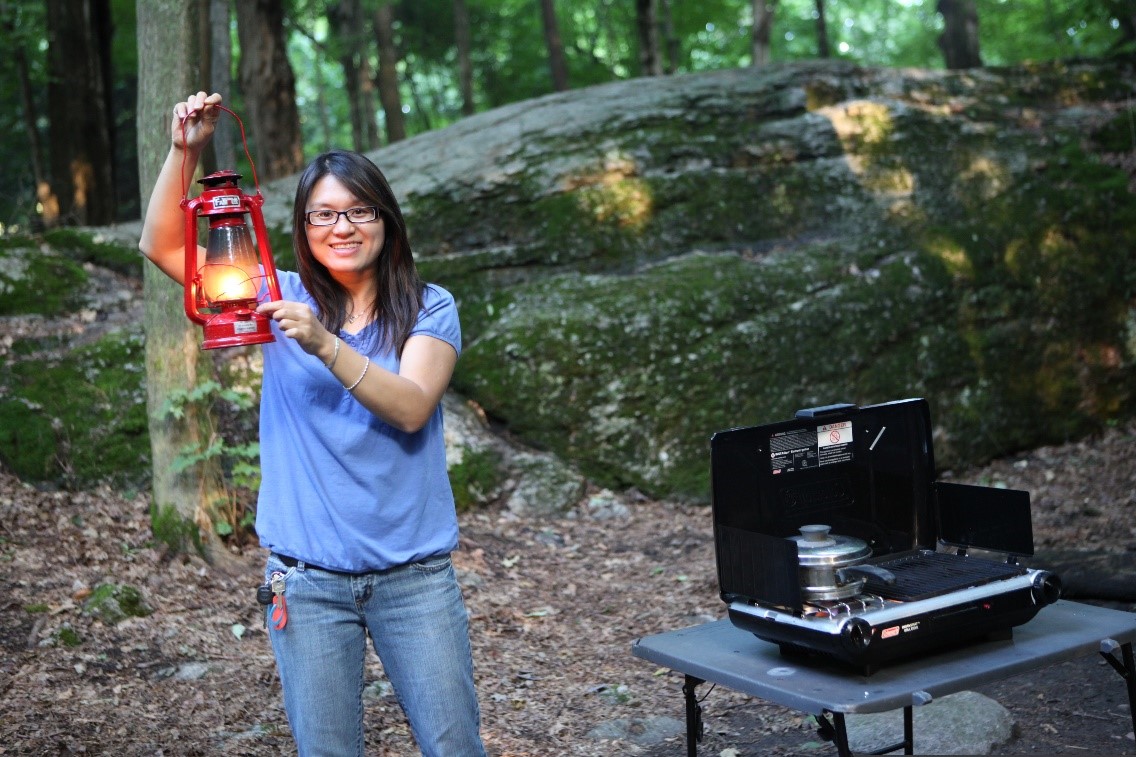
x,y
841,735
693,715
837,731
1127,669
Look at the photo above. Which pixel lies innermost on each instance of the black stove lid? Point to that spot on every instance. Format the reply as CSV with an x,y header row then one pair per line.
x,y
865,471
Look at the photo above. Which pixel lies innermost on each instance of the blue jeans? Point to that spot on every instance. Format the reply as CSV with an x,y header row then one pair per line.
x,y
418,624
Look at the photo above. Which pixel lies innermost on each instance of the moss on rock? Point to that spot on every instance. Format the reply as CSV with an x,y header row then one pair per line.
x,y
34,278
79,419
114,603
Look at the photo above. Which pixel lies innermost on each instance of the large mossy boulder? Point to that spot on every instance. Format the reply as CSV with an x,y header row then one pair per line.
x,y
644,263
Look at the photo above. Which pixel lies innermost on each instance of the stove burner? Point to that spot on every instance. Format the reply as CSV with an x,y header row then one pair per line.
x,y
841,608
923,574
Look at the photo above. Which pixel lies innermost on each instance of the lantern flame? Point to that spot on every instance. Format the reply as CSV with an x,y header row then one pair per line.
x,y
224,283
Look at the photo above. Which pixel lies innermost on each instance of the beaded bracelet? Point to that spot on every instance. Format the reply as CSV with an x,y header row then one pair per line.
x,y
366,365
334,355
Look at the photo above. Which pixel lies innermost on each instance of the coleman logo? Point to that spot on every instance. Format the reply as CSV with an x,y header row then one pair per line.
x,y
888,633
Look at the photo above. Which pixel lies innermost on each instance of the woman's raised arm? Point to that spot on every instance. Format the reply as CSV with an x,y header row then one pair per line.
x,y
163,237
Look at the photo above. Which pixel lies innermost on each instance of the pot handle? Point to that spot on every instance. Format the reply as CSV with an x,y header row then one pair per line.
x,y
843,575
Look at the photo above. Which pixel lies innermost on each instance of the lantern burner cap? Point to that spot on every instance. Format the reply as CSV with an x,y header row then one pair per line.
x,y
226,178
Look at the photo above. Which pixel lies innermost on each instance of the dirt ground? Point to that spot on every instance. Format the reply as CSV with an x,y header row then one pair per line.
x,y
555,606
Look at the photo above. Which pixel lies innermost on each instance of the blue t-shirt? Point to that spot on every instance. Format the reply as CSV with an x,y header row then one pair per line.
x,y
341,488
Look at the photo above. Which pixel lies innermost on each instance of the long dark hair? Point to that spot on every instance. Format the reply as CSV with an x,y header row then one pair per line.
x,y
398,298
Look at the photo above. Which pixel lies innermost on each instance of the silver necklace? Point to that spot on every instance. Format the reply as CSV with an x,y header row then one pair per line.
x,y
353,317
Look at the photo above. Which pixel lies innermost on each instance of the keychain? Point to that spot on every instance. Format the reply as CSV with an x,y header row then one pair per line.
x,y
279,604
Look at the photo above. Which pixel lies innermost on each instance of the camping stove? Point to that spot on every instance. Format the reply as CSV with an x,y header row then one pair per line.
x,y
867,474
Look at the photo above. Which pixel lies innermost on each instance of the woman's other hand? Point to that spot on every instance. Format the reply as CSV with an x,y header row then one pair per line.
x,y
298,322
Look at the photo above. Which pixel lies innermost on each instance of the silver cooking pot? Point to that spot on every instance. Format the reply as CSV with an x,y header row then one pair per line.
x,y
831,566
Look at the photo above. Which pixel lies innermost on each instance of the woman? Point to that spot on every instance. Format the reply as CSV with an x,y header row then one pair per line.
x,y
355,505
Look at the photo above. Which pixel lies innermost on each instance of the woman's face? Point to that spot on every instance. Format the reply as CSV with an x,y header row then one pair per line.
x,y
346,249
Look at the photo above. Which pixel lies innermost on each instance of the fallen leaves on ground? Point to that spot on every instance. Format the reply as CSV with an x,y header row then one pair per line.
x,y
555,605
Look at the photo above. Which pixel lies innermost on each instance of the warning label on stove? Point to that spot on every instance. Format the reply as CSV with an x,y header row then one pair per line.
x,y
793,450
810,447
834,442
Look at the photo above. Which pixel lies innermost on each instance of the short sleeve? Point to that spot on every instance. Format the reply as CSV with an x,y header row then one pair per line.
x,y
439,317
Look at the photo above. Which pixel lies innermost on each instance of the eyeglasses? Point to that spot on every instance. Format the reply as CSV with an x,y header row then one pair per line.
x,y
331,217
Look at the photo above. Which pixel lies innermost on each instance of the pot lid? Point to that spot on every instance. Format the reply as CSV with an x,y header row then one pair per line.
x,y
816,546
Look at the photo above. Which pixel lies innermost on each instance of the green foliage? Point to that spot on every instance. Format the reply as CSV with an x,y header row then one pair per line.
x,y
1017,32
509,66
204,394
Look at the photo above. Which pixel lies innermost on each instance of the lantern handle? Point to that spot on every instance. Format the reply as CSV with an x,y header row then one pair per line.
x,y
244,141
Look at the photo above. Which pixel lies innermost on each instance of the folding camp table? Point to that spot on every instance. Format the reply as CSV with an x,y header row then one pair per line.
x,y
720,653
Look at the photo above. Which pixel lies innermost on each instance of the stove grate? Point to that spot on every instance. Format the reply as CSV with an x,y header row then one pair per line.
x,y
925,574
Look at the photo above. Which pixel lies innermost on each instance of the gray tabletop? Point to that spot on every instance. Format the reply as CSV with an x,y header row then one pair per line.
x,y
720,653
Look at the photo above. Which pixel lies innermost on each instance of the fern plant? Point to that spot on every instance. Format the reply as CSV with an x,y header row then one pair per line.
x,y
240,460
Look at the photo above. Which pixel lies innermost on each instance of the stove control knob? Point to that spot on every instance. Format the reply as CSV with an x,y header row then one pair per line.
x,y
856,635
1046,588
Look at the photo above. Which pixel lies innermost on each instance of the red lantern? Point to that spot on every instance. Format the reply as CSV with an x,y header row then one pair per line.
x,y
222,294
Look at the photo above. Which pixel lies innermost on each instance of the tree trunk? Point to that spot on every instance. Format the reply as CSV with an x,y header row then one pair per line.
x,y
670,41
221,80
959,40
646,23
323,114
46,199
388,73
822,31
269,87
346,23
419,107
763,11
465,62
557,63
78,103
169,68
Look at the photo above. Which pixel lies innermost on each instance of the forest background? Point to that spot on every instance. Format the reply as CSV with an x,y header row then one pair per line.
x,y
309,74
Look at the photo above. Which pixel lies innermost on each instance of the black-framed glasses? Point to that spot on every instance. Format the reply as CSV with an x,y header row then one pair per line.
x,y
326,217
